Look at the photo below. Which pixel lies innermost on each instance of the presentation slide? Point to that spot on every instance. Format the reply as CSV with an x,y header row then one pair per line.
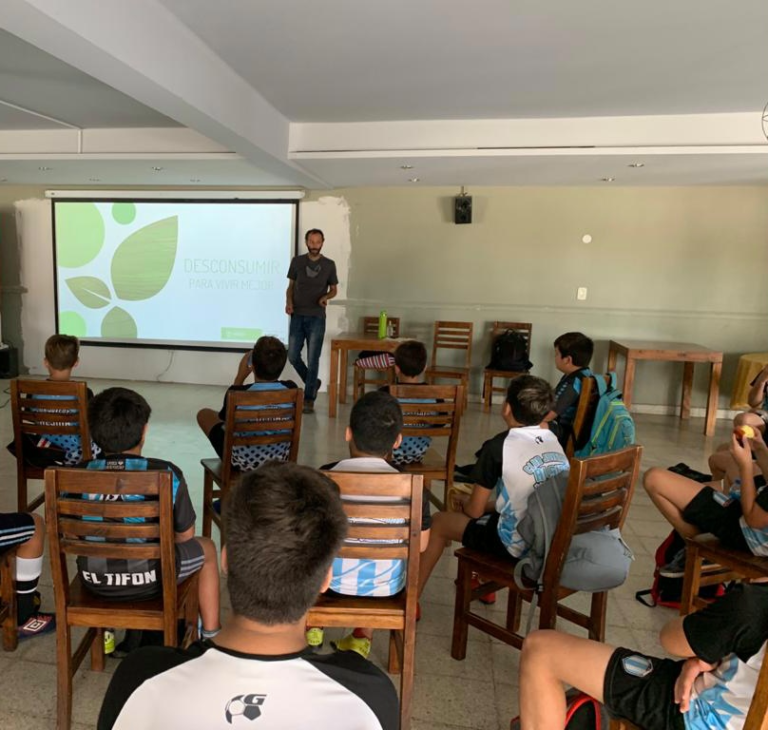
x,y
205,274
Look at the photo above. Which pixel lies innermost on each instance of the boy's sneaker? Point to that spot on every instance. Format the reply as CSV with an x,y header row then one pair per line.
x,y
675,568
109,641
489,598
37,624
360,644
315,637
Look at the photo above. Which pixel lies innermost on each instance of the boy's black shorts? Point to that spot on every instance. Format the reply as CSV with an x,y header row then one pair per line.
x,y
483,534
722,520
216,437
16,528
641,689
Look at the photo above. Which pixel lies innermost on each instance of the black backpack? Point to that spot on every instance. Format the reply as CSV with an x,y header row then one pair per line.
x,y
582,713
510,352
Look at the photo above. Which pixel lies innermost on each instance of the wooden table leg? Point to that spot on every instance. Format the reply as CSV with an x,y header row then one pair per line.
x,y
612,359
629,380
685,402
344,355
333,384
714,389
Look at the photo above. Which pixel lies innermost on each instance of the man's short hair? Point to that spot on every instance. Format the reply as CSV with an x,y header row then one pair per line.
x,y
284,525
62,351
116,418
411,358
576,346
269,356
530,399
311,231
376,421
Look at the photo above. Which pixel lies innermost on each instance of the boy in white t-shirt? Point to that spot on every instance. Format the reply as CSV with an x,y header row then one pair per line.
x,y
510,465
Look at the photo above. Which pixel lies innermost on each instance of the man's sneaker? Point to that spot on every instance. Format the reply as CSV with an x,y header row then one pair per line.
x,y
37,624
489,598
315,637
109,641
309,406
362,645
675,568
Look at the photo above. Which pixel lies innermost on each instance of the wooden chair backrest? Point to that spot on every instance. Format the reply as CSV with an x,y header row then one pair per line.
x,y
453,336
598,495
95,525
585,413
382,497
49,408
371,325
253,417
522,328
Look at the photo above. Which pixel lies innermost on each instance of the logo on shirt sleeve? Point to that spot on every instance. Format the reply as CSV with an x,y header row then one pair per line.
x,y
247,706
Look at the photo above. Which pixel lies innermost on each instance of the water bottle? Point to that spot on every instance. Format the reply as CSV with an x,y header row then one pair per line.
x,y
382,324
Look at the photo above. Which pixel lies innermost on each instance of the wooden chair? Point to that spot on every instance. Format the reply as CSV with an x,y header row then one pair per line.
x,y
452,336
598,495
253,417
97,528
499,328
396,613
8,607
38,410
437,420
371,327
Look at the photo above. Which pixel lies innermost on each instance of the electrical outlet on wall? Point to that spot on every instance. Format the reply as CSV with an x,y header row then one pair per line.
x,y
581,293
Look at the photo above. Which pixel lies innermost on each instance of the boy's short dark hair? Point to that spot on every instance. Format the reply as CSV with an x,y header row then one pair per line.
x,y
284,525
269,356
311,231
411,358
376,421
530,399
576,346
116,418
62,351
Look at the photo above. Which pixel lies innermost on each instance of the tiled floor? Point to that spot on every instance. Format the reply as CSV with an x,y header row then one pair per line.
x,y
481,691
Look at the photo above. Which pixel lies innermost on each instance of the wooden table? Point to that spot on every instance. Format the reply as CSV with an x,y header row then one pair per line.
x,y
340,347
685,352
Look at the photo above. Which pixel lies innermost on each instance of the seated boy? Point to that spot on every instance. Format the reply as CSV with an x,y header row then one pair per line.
x,y
266,361
510,466
410,364
721,647
573,353
721,463
119,419
278,559
28,532
374,430
739,520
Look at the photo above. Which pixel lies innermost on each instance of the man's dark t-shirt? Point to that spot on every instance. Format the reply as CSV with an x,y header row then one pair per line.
x,y
311,281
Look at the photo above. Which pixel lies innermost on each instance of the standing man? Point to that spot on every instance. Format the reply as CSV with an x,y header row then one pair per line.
x,y
312,282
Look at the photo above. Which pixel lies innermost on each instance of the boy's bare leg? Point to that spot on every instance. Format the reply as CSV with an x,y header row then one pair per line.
x,y
672,493
445,526
208,587
543,674
207,418
33,548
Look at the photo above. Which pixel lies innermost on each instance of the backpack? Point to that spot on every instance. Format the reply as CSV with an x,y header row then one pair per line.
x,y
612,426
510,352
582,712
669,591
597,561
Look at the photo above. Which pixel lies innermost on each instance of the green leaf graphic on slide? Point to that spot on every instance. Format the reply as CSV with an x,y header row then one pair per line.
x,y
90,291
119,324
79,234
143,262
71,323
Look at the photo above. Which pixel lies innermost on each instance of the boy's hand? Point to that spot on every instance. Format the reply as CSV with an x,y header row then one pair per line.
x,y
692,668
244,369
741,451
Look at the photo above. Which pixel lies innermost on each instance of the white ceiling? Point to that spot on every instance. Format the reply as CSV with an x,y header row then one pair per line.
x,y
343,92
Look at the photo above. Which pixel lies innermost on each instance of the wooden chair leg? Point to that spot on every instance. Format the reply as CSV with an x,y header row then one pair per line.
x,y
21,488
692,579
64,672
9,599
463,600
97,652
514,611
207,504
597,616
406,678
394,663
487,391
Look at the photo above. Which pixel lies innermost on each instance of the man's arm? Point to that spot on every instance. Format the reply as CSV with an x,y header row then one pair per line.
x,y
289,297
330,294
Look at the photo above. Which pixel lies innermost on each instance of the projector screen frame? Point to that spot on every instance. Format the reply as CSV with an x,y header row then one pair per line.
x,y
244,198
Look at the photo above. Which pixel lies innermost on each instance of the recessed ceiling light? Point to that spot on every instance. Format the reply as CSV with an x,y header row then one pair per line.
x,y
406,167
43,168
413,179
607,179
636,164
157,169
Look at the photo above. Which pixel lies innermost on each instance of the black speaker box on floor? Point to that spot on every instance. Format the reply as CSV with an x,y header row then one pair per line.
x,y
9,363
462,209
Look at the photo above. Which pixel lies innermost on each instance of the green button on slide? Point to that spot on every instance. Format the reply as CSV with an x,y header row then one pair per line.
x,y
240,334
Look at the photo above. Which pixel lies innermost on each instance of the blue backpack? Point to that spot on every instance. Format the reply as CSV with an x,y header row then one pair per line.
x,y
612,426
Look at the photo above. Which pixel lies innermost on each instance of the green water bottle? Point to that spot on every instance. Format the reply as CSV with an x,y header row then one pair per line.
x,y
382,324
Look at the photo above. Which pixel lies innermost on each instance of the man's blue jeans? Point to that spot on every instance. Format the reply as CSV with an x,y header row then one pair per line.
x,y
310,330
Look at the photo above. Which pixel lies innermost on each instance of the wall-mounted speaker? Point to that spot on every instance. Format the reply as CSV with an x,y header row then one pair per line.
x,y
462,209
